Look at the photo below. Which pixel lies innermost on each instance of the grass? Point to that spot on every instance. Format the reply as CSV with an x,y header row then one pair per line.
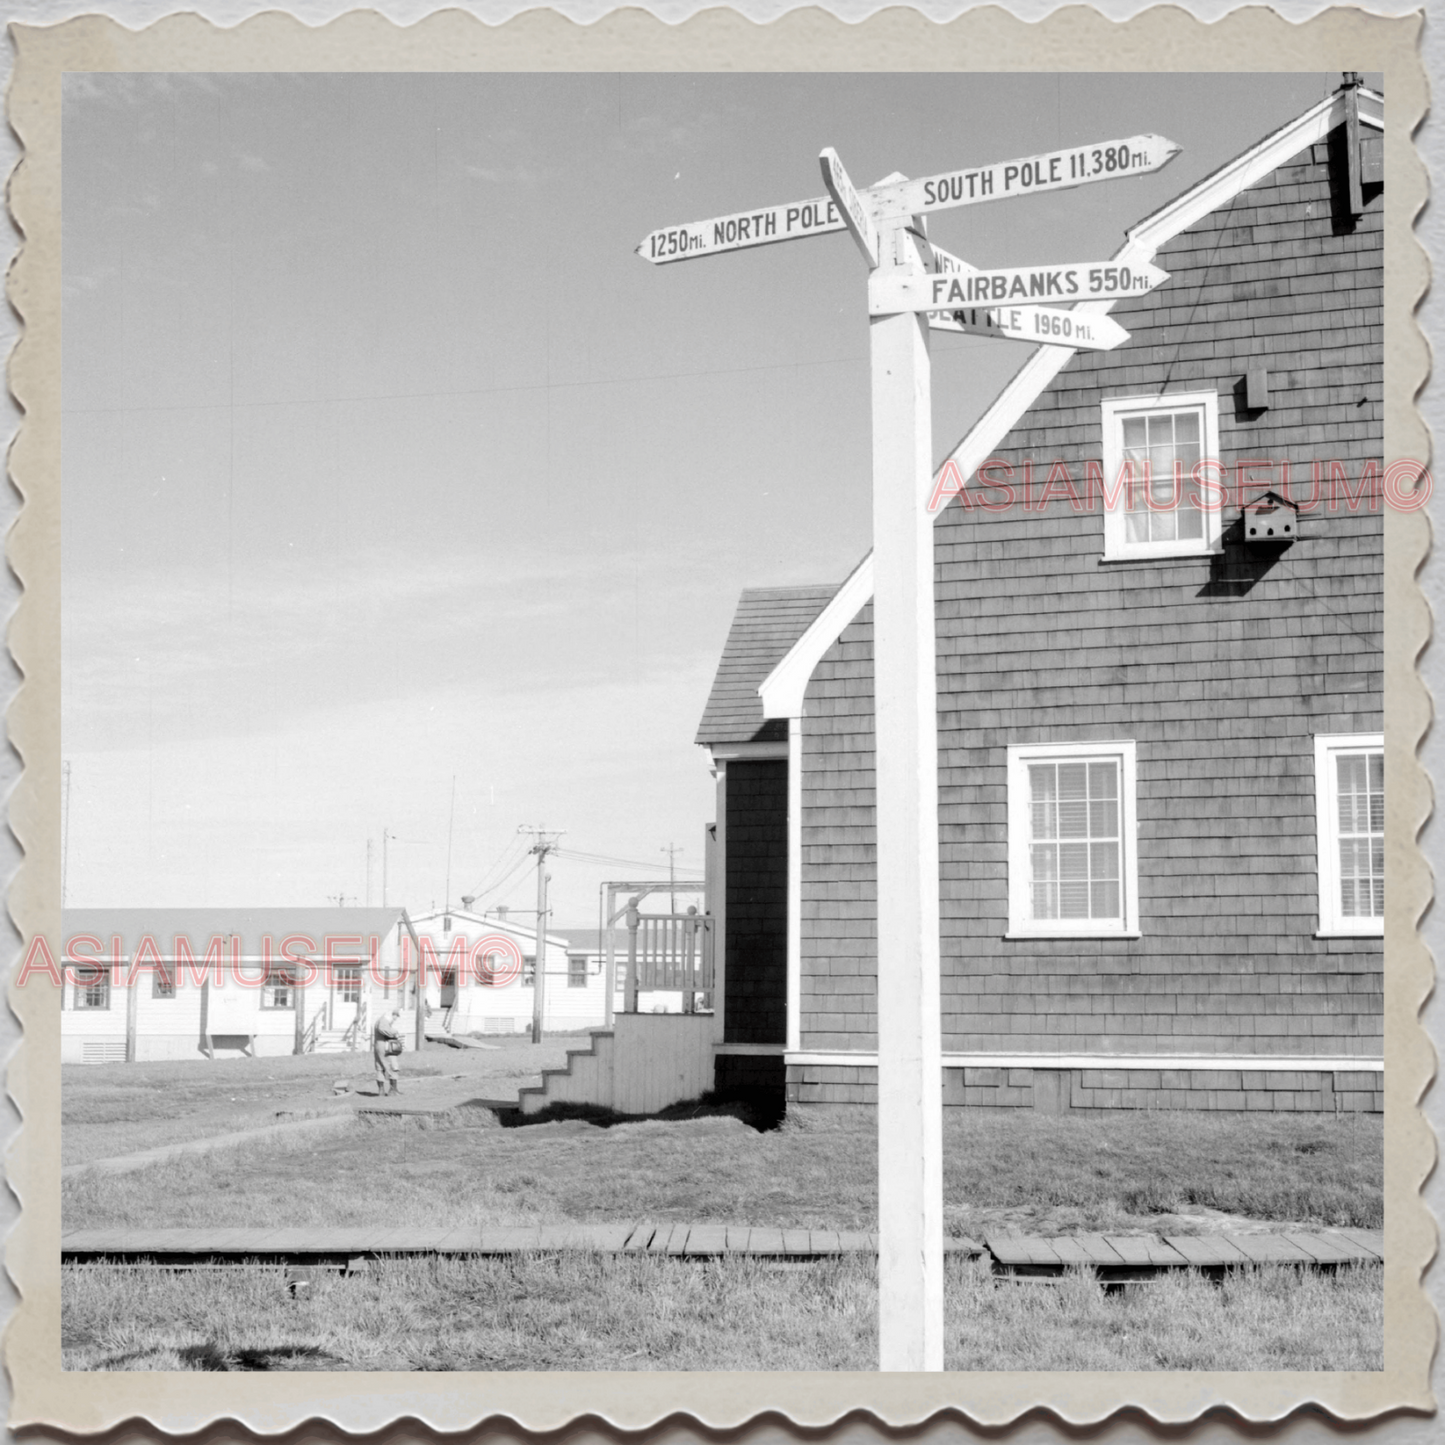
x,y
113,1109
591,1312
1016,1172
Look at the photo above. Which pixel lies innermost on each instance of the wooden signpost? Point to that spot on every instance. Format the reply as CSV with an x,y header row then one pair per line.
x,y
913,286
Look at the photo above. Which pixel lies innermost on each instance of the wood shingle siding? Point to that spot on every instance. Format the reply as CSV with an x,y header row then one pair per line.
x,y
1221,669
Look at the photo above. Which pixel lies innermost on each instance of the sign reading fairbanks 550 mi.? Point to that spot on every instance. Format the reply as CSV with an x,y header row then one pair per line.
x,y
889,292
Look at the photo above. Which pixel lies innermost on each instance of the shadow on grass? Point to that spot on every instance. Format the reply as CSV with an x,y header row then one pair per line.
x,y
760,1109
211,1356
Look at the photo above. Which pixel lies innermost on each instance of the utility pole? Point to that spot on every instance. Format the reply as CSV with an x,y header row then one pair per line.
x,y
368,872
385,834
540,848
672,850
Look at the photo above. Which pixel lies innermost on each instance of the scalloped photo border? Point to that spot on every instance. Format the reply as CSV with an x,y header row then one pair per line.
x,y
1077,39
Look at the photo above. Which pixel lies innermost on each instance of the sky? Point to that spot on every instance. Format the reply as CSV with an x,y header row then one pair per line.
x,y
401,497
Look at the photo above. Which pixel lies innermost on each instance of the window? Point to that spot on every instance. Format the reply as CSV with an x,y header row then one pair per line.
x,y
279,990
576,970
1159,439
1073,868
529,971
163,980
92,987
1350,813
348,984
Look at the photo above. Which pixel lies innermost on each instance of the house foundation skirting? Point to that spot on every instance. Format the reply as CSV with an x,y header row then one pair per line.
x,y
1275,1085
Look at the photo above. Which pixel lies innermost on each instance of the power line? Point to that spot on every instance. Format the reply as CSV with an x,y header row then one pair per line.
x,y
470,391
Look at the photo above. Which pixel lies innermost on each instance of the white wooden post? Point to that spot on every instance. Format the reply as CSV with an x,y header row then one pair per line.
x,y
910,1079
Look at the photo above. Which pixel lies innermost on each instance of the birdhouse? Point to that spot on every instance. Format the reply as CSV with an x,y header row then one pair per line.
x,y
1271,519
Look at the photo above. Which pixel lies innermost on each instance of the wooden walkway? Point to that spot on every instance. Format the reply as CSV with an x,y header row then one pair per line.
x,y
1112,1257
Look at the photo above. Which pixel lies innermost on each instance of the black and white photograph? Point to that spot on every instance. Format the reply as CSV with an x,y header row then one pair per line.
x,y
724,722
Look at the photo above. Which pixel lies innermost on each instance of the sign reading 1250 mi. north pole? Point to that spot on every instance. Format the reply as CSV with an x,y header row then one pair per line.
x,y
889,292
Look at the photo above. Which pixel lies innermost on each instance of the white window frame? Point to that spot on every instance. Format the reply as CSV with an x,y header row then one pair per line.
x,y
1021,925
1117,547
1333,924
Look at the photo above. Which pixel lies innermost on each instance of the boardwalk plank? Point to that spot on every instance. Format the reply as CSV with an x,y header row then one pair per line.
x,y
1323,1251
737,1236
825,1241
962,1244
1098,1248
1371,1239
639,1237
856,1241
1015,1249
1206,1251
662,1238
707,1239
1268,1248
796,1241
1070,1251
766,1241
1357,1252
1129,1247
677,1244
611,1238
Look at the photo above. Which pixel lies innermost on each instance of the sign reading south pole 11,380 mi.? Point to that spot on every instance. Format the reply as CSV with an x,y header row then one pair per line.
x,y
1056,171
889,291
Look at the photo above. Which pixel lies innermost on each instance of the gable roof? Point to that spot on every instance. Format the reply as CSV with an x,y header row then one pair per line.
x,y
768,621
781,691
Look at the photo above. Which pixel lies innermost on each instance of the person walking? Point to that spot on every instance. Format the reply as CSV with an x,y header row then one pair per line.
x,y
386,1045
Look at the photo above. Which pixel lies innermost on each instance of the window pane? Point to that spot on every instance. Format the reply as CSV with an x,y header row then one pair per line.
x,y
1079,802
1043,788
1135,433
1360,814
1191,522
1186,427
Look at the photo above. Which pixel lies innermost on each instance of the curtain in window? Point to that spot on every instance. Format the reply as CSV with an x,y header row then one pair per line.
x,y
1154,445
1075,840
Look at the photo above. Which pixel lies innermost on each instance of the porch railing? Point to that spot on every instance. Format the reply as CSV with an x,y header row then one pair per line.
x,y
355,1035
670,952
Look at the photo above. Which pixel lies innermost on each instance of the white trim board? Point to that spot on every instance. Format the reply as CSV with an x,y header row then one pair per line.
x,y
1251,1063
761,1051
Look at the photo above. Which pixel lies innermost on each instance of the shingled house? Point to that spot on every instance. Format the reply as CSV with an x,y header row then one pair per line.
x,y
1160,737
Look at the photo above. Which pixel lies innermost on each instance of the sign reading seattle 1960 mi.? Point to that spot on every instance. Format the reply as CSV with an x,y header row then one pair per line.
x,y
1047,325
891,292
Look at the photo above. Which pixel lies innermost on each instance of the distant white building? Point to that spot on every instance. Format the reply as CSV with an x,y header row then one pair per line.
x,y
184,983
166,983
476,987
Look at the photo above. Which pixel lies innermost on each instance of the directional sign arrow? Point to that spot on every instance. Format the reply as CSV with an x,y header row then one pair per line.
x,y
889,292
741,230
1045,324
1056,171
850,203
